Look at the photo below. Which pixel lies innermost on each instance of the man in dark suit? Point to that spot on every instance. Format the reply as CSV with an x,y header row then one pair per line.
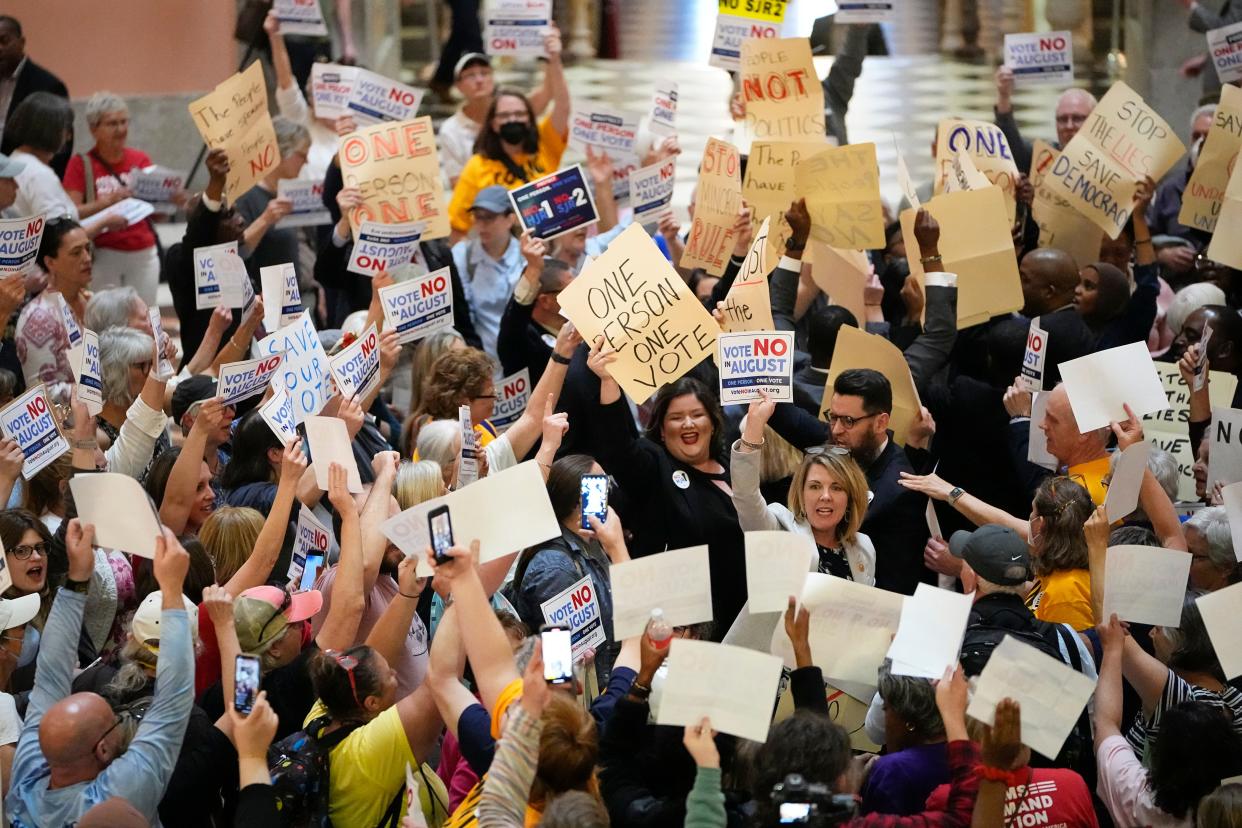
x,y
532,318
20,77
1049,279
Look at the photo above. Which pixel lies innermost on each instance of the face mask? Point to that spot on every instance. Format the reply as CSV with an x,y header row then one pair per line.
x,y
514,132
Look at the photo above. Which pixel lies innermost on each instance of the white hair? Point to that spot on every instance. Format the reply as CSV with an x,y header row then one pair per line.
x,y
1076,92
1189,299
101,104
289,135
439,441
120,348
1213,524
111,308
1207,109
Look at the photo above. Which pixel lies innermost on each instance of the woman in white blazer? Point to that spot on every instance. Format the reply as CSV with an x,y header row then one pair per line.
x,y
827,500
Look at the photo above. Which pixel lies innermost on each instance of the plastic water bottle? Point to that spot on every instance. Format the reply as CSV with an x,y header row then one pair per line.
x,y
659,631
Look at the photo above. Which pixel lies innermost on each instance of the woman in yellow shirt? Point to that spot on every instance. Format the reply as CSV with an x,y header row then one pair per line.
x,y
1061,592
513,148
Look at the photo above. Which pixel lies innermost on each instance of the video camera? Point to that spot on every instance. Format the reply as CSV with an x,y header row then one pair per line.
x,y
799,802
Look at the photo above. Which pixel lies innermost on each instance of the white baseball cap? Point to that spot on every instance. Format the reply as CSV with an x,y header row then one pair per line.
x,y
146,624
15,612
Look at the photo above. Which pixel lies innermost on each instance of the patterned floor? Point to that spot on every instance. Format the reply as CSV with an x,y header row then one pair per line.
x,y
903,95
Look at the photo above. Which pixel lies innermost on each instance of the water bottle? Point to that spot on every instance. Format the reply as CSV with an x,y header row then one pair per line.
x,y
659,631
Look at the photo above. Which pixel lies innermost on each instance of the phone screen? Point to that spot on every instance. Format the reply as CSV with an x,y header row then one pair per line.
x,y
310,571
594,497
558,656
245,683
441,532
795,812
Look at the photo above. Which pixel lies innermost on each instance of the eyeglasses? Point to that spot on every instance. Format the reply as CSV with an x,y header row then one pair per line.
x,y
347,663
484,397
1204,263
846,421
23,553
836,451
117,723
1071,119
284,605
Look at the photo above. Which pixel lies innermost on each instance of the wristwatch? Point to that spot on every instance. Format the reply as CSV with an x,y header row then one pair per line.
x,y
957,492
83,587
790,245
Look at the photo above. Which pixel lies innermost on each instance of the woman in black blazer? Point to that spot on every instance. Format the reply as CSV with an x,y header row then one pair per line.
x,y
675,478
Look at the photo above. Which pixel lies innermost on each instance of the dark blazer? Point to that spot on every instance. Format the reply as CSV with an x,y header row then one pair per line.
x,y
34,78
330,271
895,519
522,343
1068,338
809,389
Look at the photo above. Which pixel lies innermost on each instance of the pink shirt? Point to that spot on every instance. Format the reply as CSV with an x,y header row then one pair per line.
x,y
1124,790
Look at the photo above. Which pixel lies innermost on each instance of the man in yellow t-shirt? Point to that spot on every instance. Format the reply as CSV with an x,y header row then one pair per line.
x,y
1085,456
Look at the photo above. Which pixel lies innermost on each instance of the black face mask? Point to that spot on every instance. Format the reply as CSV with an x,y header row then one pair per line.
x,y
514,132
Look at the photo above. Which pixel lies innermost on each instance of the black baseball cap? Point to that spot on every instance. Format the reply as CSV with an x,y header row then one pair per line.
x,y
189,391
997,554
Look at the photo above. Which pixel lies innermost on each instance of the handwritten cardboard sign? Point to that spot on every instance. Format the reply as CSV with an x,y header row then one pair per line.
x,y
986,147
418,307
1205,192
858,349
768,187
397,168
1061,226
841,186
1168,429
842,275
29,422
234,117
784,99
717,199
1226,246
976,244
633,298
305,374
748,304
1122,141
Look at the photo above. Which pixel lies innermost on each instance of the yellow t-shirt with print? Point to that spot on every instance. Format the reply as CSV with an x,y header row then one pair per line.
x,y
1063,597
367,769
1091,476
481,172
